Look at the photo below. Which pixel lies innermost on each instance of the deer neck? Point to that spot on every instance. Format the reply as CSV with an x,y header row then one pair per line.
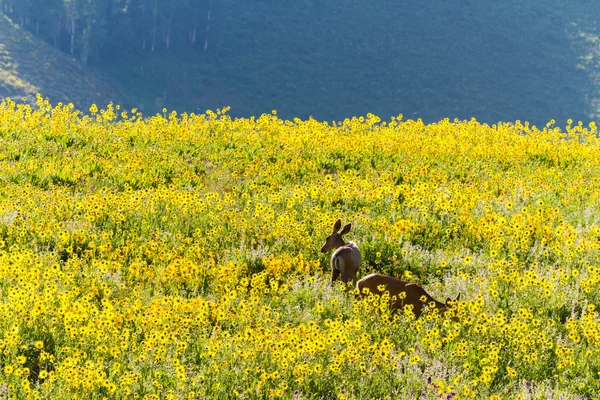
x,y
440,306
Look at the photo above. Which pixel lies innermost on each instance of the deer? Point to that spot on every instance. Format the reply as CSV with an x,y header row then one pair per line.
x,y
346,259
414,294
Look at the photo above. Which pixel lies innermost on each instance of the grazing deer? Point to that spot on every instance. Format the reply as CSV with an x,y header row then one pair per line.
x,y
346,259
414,294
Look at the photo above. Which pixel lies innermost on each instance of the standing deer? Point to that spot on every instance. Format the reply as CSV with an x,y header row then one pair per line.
x,y
346,259
414,294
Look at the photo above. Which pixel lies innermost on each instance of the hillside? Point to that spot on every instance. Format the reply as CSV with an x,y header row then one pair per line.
x,y
435,59
28,66
496,61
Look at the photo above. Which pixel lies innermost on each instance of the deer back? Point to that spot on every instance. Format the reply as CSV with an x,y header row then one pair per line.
x,y
346,261
414,293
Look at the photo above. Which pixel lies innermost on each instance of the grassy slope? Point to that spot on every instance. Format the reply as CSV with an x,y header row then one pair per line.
x,y
29,66
492,60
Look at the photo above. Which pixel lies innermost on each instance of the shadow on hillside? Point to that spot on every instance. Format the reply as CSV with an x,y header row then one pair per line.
x,y
588,43
497,61
29,66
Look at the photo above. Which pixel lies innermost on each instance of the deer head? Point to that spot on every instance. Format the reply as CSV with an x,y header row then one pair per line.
x,y
449,300
335,240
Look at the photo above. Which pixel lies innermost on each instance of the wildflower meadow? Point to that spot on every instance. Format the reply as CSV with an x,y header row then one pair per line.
x,y
177,256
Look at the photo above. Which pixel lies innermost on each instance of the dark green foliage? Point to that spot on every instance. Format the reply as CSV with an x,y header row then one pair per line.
x,y
29,66
332,59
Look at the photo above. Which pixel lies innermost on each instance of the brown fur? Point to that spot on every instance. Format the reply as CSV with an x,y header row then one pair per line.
x,y
395,286
346,259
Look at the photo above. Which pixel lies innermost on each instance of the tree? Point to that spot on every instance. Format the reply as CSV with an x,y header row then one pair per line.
x,y
84,28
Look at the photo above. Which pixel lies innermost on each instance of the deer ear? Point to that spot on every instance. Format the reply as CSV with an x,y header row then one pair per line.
x,y
346,229
448,300
337,225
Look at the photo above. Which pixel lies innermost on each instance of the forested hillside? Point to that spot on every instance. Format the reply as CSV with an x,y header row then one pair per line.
x,y
508,60
29,66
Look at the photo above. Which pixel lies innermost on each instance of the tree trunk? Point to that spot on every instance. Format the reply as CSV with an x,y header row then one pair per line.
x,y
193,35
55,33
207,25
153,39
85,52
155,14
168,37
144,26
55,28
72,35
